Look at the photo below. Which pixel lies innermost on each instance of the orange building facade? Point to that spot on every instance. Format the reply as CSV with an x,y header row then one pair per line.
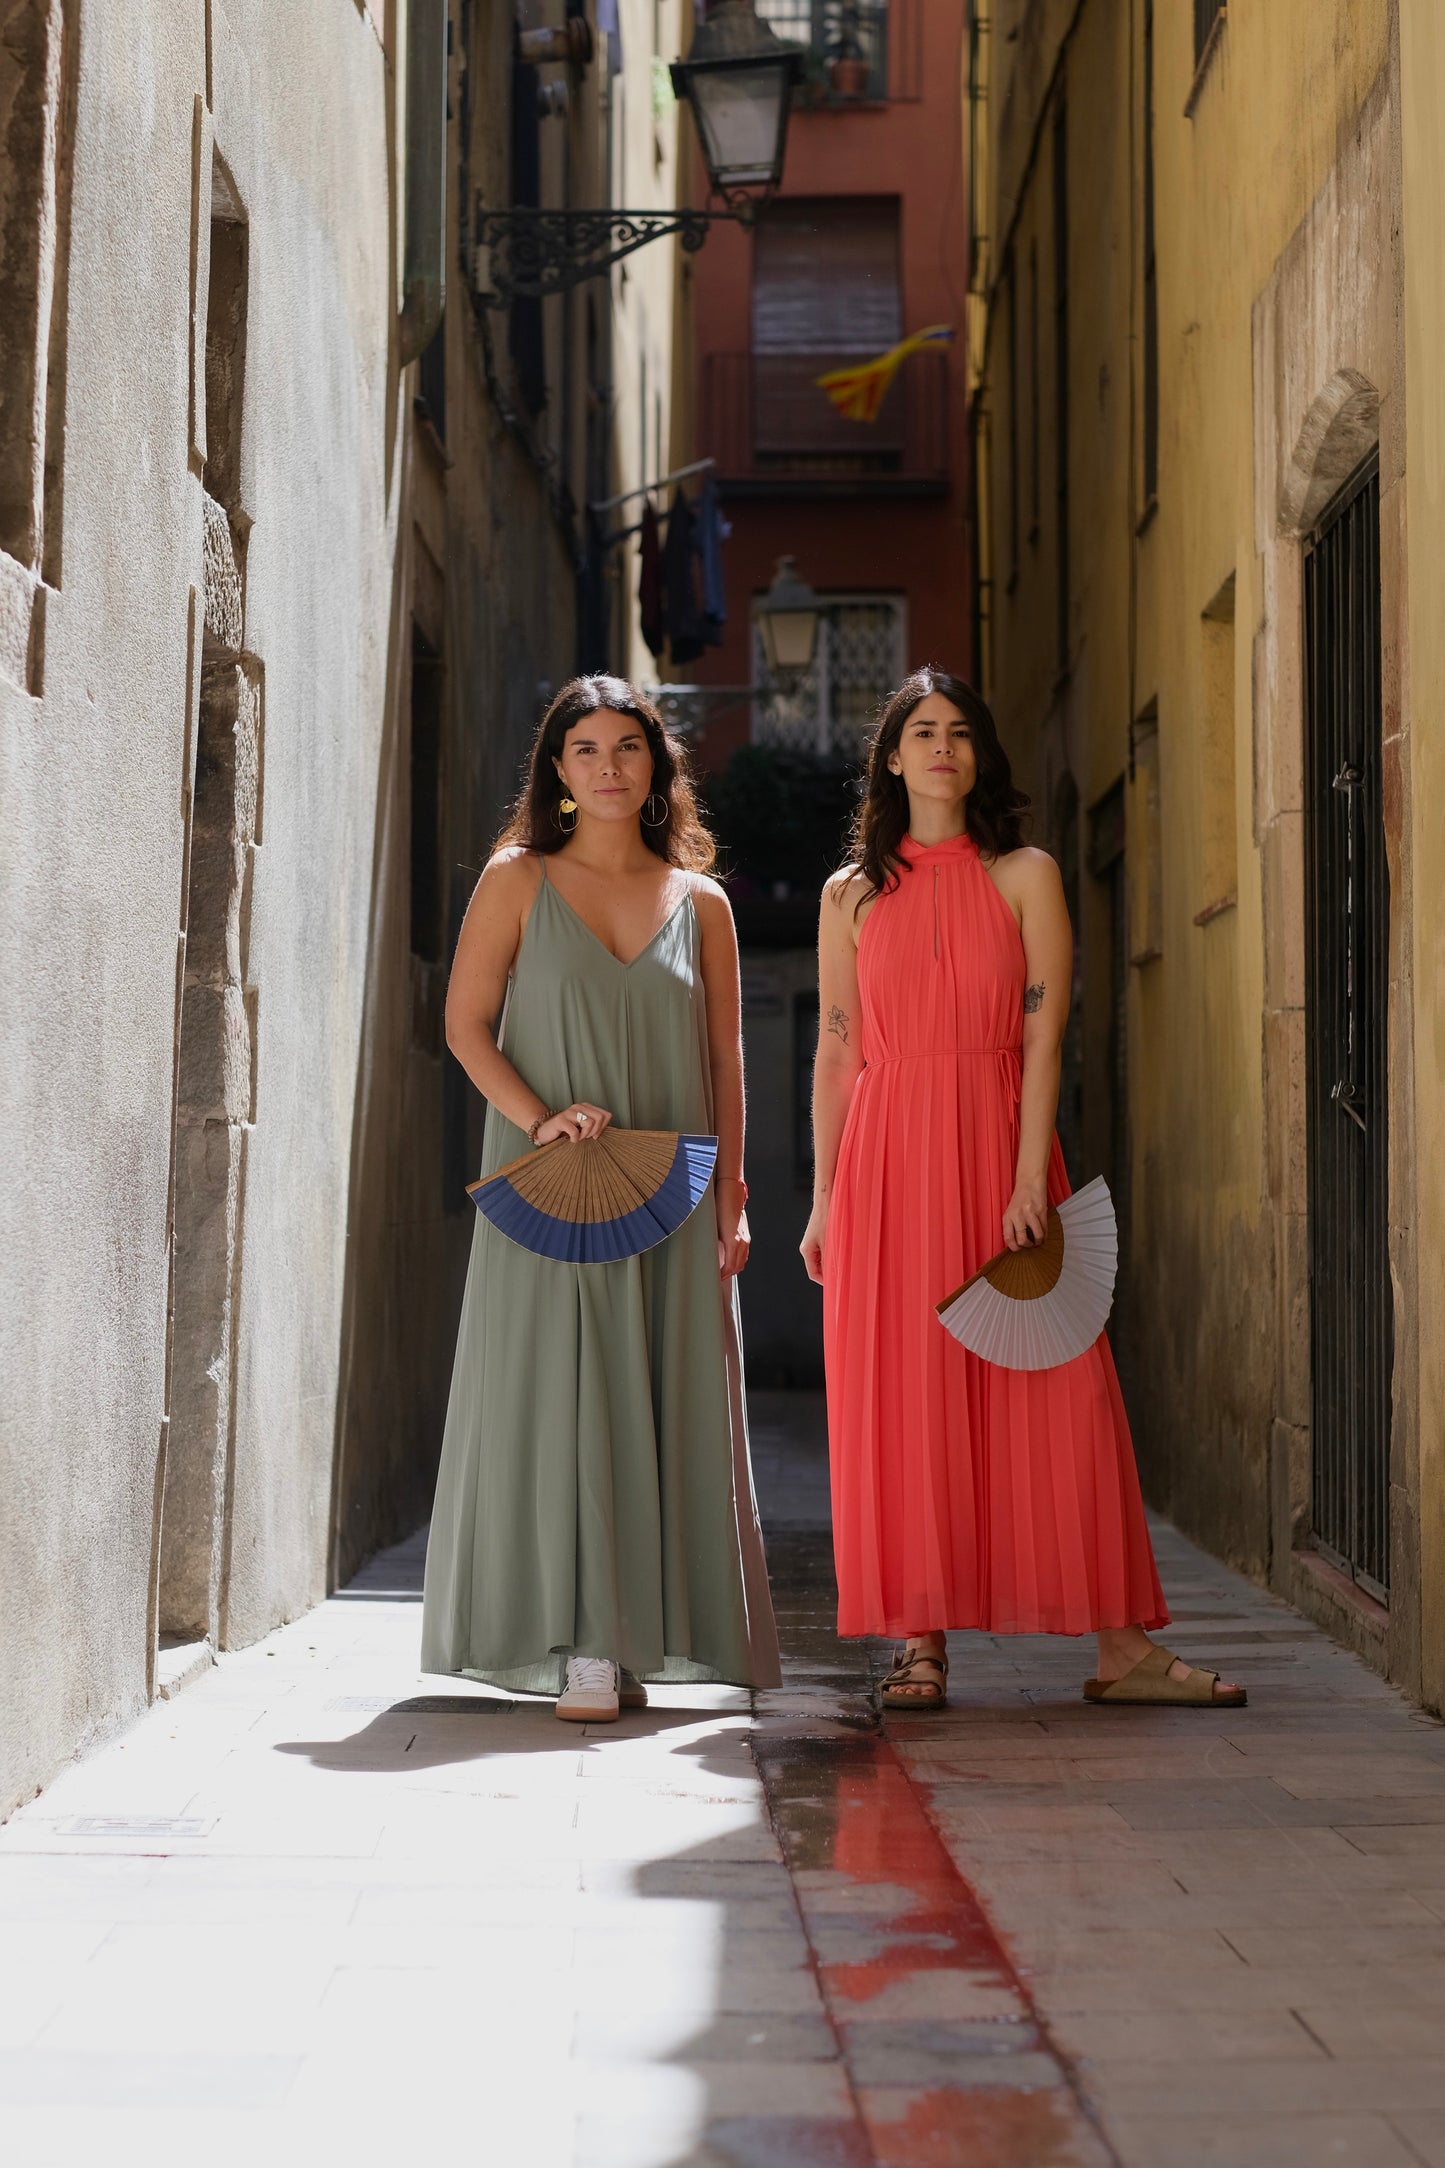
x,y
865,243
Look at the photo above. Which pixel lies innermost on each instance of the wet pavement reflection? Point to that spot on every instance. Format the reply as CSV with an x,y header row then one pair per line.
x,y
945,2059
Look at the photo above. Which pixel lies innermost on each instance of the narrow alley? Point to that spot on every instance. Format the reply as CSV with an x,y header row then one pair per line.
x,y
436,435
313,1904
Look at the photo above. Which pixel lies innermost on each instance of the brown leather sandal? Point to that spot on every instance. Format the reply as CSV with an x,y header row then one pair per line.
x,y
1150,1685
906,1664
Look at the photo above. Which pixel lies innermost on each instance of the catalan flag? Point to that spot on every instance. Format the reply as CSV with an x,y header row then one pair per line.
x,y
859,392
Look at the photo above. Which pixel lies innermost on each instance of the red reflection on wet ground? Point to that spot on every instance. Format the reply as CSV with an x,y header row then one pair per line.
x,y
943,2129
949,2065
884,1838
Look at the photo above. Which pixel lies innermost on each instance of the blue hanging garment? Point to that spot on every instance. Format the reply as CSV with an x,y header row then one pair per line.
x,y
712,531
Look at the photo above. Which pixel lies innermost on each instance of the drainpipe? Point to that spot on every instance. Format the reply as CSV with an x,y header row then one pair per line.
x,y
424,255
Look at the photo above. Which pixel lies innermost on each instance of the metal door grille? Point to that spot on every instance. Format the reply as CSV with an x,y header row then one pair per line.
x,y
1347,900
858,661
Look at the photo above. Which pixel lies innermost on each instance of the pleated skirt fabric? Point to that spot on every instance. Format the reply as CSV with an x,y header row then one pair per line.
x,y
595,1493
964,1495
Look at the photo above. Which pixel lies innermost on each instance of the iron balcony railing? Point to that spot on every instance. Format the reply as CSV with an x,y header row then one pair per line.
x,y
855,51
770,428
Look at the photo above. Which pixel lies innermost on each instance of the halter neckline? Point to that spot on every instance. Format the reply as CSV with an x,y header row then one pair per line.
x,y
951,847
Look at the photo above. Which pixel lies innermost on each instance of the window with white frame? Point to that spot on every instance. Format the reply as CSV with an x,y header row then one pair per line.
x,y
862,641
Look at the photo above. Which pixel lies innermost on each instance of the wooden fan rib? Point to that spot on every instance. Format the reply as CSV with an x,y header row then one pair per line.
x,y
1025,1275
552,1181
598,1179
643,1157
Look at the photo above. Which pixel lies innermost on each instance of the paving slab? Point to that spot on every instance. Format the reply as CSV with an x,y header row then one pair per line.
x,y
316,1904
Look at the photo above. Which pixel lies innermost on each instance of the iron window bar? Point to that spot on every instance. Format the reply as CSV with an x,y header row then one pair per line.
x,y
1347,891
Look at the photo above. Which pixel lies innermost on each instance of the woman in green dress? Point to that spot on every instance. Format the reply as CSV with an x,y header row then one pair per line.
x,y
595,1523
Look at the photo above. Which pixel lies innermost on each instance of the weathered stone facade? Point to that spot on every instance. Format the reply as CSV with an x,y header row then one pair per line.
x,y
276,613
1189,333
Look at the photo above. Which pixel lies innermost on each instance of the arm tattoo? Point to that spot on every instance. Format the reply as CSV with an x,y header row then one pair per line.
x,y
838,1023
1033,998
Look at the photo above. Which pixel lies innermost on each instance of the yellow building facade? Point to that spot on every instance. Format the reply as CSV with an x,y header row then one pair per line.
x,y
1206,303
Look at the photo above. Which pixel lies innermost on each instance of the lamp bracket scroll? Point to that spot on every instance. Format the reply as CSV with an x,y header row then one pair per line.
x,y
534,253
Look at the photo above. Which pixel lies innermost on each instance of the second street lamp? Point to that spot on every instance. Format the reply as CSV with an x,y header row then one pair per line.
x,y
738,79
788,625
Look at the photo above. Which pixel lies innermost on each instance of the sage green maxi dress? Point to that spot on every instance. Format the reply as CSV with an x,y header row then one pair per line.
x,y
595,1495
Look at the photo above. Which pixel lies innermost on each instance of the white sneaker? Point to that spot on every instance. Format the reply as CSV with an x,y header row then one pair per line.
x,y
590,1695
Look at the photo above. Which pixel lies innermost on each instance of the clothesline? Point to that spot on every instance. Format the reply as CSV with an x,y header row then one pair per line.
x,y
664,481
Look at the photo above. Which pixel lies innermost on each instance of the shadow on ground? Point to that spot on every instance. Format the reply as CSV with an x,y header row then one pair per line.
x,y
853,2004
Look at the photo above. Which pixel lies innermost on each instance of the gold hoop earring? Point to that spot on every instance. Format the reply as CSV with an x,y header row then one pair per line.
x,y
567,805
660,819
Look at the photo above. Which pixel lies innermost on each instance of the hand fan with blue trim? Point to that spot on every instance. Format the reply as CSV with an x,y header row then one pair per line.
x,y
601,1199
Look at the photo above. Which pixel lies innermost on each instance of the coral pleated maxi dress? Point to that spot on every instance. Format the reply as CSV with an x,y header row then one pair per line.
x,y
964,1495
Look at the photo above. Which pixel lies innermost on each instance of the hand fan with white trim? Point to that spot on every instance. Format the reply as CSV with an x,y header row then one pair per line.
x,y
1030,1309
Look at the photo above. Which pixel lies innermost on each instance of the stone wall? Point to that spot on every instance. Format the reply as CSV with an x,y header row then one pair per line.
x,y
1284,283
206,236
277,620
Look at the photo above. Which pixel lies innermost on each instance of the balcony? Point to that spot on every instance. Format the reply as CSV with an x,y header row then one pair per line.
x,y
856,52
773,433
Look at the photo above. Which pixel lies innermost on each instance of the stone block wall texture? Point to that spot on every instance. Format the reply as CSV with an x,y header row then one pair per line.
x,y
94,778
233,1226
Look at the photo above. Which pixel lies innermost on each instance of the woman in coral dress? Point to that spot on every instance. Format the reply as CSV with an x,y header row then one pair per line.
x,y
964,1494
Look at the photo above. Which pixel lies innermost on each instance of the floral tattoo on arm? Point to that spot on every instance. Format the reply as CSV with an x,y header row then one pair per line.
x,y
838,1023
1033,998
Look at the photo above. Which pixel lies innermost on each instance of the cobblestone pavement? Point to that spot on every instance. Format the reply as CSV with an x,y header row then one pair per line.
x,y
319,1907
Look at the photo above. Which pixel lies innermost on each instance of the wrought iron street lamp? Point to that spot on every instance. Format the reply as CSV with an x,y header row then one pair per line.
x,y
788,625
738,79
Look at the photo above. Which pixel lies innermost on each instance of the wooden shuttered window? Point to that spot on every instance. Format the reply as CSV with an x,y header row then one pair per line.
x,y
826,291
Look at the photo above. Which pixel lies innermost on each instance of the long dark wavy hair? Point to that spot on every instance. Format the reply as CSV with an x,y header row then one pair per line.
x,y
535,819
993,811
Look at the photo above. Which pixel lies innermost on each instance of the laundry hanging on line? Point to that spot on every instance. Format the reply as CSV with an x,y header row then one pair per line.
x,y
649,585
681,594
681,583
712,531
609,29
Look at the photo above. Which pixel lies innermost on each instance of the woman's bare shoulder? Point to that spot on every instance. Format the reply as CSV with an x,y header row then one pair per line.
x,y
514,869
1027,871
711,903
844,890
507,886
710,900
707,891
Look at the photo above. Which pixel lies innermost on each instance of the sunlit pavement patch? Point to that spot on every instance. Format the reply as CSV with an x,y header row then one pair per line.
x,y
945,2056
